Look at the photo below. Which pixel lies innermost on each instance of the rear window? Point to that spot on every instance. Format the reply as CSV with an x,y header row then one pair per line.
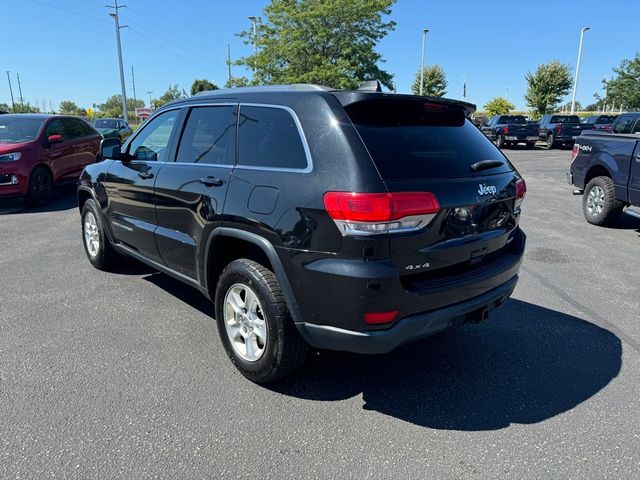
x,y
604,119
565,119
407,141
513,119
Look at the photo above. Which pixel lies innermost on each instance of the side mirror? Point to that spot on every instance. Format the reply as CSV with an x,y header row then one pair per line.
x,y
56,138
110,148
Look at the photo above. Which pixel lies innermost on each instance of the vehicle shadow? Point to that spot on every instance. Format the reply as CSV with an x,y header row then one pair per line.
x,y
64,199
525,365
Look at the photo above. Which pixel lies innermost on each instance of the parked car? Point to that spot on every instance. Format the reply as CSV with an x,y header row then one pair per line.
x,y
39,152
345,220
627,123
113,128
601,122
509,130
606,171
560,130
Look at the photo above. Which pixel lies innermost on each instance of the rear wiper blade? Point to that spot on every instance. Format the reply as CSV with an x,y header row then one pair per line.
x,y
486,164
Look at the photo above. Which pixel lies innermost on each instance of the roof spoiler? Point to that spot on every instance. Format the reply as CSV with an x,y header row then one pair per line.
x,y
348,97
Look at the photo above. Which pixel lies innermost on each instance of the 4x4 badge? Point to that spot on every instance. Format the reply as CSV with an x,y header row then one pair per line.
x,y
487,189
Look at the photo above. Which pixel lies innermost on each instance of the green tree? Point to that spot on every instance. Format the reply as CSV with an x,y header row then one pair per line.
x,y
237,82
624,89
202,86
329,42
435,82
499,106
113,106
173,93
68,107
5,108
567,106
550,82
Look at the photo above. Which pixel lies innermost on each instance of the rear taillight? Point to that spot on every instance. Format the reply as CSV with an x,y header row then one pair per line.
x,y
505,130
574,151
521,191
558,128
376,318
377,213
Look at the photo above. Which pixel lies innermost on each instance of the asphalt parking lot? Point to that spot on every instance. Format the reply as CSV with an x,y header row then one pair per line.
x,y
122,375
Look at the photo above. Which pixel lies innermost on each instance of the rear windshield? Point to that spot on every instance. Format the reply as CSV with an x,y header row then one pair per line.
x,y
565,119
604,119
513,119
407,140
105,123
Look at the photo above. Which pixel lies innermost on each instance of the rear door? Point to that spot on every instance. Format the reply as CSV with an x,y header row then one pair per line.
x,y
129,184
191,191
444,154
634,179
82,141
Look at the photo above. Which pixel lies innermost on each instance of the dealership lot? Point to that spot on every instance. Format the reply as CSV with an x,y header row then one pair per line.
x,y
122,374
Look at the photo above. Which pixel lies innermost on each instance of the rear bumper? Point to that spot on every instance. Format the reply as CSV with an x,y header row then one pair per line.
x,y
408,329
521,138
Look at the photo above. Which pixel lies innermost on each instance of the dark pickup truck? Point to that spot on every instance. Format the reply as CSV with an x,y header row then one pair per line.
x,y
508,130
561,130
601,122
606,171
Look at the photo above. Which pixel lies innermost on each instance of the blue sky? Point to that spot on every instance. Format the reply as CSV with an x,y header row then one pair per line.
x,y
71,54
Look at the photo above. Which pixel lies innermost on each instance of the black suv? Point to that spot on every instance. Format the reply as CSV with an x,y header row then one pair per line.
x,y
345,220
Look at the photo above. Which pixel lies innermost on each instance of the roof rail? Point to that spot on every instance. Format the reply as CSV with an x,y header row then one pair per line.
x,y
294,87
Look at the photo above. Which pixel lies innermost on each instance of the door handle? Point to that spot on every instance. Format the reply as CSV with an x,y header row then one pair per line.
x,y
212,181
145,175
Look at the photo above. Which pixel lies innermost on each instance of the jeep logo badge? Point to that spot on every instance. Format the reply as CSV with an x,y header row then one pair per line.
x,y
487,189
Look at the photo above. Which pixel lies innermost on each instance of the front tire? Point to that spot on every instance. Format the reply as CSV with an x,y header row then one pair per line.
x,y
254,323
499,141
599,203
94,238
40,187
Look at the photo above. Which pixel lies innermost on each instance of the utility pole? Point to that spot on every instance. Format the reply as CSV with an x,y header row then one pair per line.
x,y
150,106
254,22
424,44
506,94
575,80
229,63
116,17
13,104
20,89
133,81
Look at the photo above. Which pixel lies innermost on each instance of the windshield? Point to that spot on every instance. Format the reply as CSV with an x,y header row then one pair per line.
x,y
105,123
16,129
406,140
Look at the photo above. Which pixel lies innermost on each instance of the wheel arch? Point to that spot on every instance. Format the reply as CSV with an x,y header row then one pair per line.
x,y
227,244
594,171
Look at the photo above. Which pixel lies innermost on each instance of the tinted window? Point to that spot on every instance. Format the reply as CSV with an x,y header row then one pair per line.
x,y
56,127
74,128
513,119
269,137
15,129
636,127
623,125
604,119
105,123
565,119
151,143
405,141
209,136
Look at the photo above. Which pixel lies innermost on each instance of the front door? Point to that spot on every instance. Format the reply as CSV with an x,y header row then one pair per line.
x,y
191,191
634,175
130,181
60,155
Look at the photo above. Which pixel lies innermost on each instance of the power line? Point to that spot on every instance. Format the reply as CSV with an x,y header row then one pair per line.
x,y
174,33
69,11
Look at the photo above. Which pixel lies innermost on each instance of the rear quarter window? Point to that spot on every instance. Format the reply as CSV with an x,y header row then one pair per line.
x,y
405,141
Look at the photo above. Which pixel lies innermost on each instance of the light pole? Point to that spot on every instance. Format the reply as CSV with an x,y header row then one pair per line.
x,y
150,92
116,17
13,104
575,80
254,23
424,45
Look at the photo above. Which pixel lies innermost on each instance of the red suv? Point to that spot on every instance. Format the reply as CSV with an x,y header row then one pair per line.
x,y
38,152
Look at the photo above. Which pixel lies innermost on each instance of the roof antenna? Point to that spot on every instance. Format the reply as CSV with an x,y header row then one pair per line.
x,y
370,86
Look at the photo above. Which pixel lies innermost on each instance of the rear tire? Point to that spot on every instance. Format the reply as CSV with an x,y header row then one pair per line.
x,y
40,187
551,141
258,334
599,203
94,238
499,141
531,145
